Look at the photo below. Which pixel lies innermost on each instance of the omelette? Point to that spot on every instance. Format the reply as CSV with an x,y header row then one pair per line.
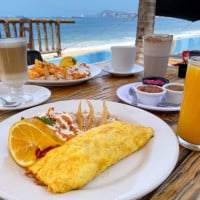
x,y
81,159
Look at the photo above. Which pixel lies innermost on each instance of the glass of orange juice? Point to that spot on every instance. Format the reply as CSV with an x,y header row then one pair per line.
x,y
188,129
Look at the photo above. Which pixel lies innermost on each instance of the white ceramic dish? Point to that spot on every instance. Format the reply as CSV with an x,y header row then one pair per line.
x,y
148,98
115,183
136,69
39,95
173,96
93,69
123,95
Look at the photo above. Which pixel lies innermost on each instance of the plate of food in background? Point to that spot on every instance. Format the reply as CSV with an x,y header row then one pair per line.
x,y
67,73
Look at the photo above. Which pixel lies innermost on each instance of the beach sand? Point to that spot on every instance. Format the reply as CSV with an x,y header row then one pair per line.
x,y
84,50
75,51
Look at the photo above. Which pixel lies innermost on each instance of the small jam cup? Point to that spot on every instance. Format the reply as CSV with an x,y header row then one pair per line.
x,y
155,80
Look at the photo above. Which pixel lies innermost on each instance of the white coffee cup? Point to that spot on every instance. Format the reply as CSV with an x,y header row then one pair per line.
x,y
123,58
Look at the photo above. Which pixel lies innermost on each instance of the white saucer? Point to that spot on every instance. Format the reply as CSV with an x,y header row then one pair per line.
x,y
136,69
39,95
123,94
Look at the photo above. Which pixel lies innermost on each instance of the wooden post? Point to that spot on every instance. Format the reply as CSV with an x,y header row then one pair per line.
x,y
24,29
39,36
7,28
146,18
58,43
45,36
15,29
52,35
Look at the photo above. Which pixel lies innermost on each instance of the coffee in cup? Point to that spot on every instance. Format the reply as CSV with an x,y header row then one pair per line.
x,y
13,68
157,49
13,61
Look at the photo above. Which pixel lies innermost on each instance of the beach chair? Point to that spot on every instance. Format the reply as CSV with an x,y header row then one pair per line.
x,y
32,55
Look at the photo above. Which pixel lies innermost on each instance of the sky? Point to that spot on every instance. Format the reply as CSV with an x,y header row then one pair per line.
x,y
63,8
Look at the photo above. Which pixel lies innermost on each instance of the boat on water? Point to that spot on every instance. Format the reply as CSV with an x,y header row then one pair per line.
x,y
79,16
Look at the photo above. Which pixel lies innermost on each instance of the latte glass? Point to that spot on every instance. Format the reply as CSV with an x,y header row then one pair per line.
x,y
157,49
13,68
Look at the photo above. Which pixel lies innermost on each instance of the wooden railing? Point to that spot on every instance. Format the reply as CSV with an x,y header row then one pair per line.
x,y
42,34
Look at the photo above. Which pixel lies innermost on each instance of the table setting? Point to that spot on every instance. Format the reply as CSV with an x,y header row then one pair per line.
x,y
123,56
115,91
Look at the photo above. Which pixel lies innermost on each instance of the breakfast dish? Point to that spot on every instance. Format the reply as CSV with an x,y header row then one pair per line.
x,y
64,71
92,71
123,95
127,184
38,95
136,69
85,156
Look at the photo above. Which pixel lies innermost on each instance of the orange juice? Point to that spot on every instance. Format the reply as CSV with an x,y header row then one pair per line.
x,y
189,125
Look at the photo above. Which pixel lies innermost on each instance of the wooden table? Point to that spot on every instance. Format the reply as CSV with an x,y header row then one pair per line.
x,y
184,181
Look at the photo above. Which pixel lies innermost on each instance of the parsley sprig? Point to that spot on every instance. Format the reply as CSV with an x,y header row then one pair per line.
x,y
47,120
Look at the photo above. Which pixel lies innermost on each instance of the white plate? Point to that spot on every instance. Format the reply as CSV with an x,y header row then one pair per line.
x,y
39,95
136,69
130,178
93,69
123,94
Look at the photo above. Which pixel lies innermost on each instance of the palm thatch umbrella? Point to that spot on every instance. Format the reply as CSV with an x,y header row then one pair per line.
x,y
183,9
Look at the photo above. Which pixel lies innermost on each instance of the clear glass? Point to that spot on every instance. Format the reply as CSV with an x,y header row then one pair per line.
x,y
188,129
13,68
157,49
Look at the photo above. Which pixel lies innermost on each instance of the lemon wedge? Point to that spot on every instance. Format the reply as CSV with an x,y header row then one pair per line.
x,y
68,61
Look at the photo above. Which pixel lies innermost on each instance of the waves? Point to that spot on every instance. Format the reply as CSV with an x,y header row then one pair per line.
x,y
105,32
101,33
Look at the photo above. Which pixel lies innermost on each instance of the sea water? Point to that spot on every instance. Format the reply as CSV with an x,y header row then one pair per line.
x,y
104,32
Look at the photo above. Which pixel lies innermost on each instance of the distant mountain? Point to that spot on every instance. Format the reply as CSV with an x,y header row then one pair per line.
x,y
117,14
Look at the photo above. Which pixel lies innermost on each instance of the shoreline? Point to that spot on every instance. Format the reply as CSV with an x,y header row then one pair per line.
x,y
84,50
178,45
173,61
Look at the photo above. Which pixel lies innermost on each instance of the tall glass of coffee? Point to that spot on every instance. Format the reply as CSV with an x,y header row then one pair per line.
x,y
157,49
13,68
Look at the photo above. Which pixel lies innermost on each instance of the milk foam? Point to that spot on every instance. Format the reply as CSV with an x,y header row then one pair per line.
x,y
12,42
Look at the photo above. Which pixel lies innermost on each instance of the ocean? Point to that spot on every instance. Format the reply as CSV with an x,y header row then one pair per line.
x,y
105,32
98,32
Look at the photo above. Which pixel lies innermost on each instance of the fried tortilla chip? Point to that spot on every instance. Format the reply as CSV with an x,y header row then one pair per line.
x,y
105,114
90,119
46,71
87,120
81,159
79,117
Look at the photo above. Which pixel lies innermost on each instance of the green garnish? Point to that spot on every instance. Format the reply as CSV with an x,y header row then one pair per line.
x,y
74,61
47,120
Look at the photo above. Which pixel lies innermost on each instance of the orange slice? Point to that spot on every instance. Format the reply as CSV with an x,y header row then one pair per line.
x,y
28,136
67,61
